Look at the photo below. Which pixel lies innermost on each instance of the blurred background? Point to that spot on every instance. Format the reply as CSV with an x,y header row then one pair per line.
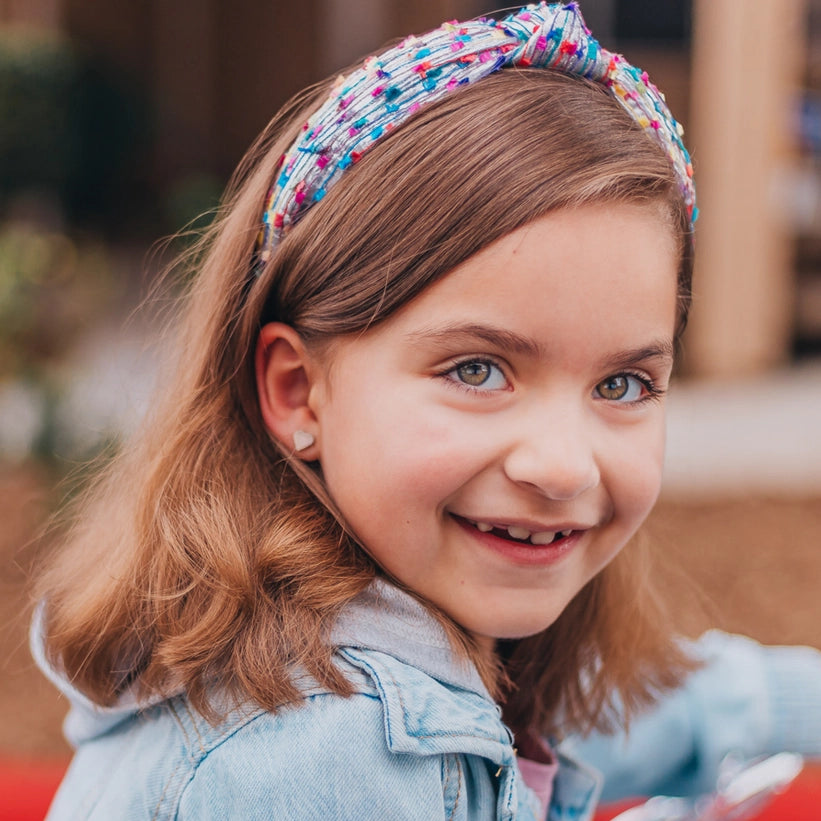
x,y
120,121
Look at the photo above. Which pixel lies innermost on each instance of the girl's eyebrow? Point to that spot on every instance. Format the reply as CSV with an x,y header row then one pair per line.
x,y
661,349
447,336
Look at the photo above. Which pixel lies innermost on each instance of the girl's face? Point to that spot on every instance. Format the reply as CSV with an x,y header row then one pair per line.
x,y
497,441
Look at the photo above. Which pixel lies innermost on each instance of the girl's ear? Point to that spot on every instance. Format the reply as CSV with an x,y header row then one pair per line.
x,y
283,386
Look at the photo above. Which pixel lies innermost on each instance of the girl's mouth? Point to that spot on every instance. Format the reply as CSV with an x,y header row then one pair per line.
x,y
521,535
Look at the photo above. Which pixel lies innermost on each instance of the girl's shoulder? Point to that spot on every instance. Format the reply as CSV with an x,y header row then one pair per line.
x,y
419,738
329,756
402,746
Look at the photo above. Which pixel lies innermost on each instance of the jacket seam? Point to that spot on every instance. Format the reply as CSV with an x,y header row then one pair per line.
x,y
458,788
192,718
160,800
170,707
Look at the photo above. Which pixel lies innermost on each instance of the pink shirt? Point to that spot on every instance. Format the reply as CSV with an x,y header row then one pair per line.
x,y
538,767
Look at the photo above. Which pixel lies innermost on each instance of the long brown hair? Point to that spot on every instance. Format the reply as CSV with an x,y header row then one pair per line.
x,y
205,557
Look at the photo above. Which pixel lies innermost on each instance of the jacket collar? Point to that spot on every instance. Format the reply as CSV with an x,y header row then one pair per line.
x,y
393,639
388,620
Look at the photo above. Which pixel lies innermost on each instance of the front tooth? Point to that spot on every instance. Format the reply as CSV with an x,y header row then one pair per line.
x,y
518,532
484,527
545,537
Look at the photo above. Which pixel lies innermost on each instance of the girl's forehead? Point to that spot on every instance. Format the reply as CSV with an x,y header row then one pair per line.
x,y
566,275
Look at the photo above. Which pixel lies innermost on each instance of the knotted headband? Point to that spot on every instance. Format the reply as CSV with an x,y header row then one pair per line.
x,y
391,86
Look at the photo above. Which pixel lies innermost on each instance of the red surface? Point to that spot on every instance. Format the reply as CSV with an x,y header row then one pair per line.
x,y
27,787
801,802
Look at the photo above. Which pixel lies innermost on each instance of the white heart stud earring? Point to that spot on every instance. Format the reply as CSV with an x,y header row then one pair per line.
x,y
303,440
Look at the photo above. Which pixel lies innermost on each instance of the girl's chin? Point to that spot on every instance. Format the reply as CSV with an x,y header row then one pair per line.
x,y
488,636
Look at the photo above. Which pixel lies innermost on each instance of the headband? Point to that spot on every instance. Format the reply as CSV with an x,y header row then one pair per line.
x,y
391,86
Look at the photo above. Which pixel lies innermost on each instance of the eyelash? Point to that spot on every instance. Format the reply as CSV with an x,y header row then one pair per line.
x,y
654,392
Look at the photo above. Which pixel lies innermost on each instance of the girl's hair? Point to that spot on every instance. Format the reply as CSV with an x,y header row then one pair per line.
x,y
206,557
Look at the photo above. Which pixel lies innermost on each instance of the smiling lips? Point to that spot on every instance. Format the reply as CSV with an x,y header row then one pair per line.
x,y
521,534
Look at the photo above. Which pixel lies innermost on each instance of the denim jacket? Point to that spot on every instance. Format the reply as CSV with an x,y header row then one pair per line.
x,y
748,700
419,739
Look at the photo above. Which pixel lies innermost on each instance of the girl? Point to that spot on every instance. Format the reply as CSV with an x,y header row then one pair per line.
x,y
418,413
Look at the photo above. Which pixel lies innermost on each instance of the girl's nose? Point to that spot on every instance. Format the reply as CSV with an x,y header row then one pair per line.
x,y
556,456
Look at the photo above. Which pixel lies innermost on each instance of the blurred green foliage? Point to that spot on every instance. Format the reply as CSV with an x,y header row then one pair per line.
x,y
67,124
77,189
190,203
51,287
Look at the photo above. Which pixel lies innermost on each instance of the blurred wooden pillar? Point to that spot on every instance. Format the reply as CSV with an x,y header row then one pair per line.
x,y
41,13
747,59
410,18
184,80
355,28
350,29
265,51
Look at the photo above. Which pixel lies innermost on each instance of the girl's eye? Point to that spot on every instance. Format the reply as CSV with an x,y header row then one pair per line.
x,y
479,373
622,387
